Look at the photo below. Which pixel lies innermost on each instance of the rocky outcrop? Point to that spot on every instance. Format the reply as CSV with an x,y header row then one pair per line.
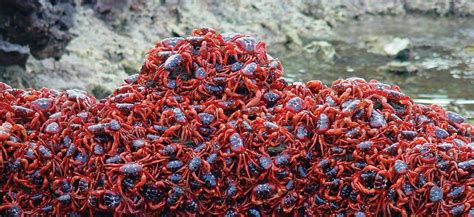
x,y
463,7
100,56
441,7
114,12
13,54
336,10
41,25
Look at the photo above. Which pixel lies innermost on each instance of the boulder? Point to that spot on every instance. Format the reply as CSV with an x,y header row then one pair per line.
x,y
322,49
388,46
13,54
41,25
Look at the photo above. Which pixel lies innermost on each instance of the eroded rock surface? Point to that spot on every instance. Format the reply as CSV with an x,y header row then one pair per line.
x,y
13,54
41,25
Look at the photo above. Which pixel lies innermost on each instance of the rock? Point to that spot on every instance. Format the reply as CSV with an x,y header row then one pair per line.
x,y
13,54
395,46
468,50
405,55
110,6
41,25
463,7
96,61
399,68
387,46
16,76
439,63
441,7
293,36
113,12
467,54
322,49
344,9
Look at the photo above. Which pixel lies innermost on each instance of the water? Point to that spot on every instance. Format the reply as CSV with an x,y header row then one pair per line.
x,y
440,46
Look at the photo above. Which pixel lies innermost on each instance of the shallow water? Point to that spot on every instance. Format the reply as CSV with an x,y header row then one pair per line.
x,y
445,67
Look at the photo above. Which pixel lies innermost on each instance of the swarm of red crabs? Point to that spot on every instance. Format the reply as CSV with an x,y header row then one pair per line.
x,y
210,127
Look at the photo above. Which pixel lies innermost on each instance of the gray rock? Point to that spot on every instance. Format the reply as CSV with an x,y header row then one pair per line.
x,y
97,60
42,25
399,68
388,46
13,54
113,12
336,10
463,7
441,7
322,49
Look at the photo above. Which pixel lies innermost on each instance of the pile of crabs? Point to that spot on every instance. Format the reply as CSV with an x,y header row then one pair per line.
x,y
210,127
